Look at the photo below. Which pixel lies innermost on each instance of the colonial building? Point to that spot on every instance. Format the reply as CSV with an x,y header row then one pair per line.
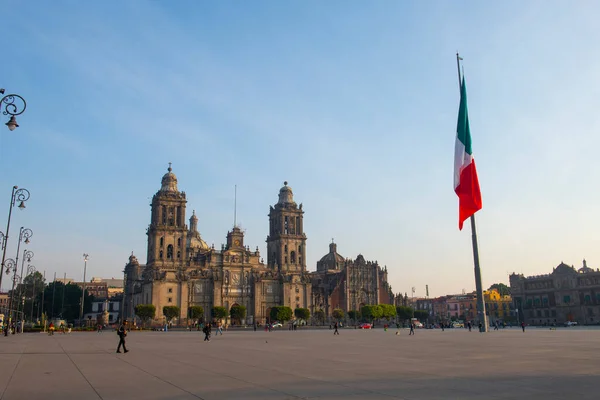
x,y
567,294
182,270
348,284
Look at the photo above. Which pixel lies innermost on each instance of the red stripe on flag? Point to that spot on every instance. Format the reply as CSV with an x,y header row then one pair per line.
x,y
469,194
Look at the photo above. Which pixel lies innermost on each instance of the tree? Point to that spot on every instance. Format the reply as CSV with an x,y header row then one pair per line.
x,y
338,314
501,288
389,311
320,316
31,288
196,312
72,301
404,312
421,315
171,312
302,313
367,312
219,312
238,313
145,312
376,311
281,313
354,315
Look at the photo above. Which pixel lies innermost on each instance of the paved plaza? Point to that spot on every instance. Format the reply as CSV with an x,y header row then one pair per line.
x,y
455,364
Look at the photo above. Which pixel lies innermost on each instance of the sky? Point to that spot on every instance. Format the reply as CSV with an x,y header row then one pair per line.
x,y
353,103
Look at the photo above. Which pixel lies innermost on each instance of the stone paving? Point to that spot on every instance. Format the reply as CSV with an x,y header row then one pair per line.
x,y
455,364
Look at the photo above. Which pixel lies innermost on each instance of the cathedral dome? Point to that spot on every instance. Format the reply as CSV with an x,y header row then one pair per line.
x,y
169,181
331,260
286,195
196,242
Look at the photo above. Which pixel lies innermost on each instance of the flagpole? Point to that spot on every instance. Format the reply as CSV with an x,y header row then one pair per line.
x,y
478,285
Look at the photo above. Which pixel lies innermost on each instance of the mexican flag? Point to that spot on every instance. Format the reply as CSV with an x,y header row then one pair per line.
x,y
466,184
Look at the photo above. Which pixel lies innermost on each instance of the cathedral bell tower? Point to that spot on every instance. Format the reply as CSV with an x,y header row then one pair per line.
x,y
167,232
286,250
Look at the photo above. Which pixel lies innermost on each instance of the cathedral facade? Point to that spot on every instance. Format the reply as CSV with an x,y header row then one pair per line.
x,y
183,271
349,284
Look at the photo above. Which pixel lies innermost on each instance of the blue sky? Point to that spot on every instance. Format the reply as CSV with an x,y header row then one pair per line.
x,y
354,103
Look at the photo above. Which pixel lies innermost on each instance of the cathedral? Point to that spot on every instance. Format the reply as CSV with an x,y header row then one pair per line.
x,y
183,270
349,284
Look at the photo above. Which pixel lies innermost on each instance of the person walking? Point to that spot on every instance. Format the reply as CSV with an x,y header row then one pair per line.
x,y
206,331
412,329
523,326
122,332
496,325
442,326
335,332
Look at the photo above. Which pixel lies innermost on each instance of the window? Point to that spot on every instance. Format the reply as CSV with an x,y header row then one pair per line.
x,y
293,257
285,225
171,219
161,255
178,254
298,290
567,299
164,215
170,252
162,241
285,261
170,299
170,290
178,242
285,249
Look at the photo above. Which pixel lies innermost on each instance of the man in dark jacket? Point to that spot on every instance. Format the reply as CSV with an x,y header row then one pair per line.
x,y
122,332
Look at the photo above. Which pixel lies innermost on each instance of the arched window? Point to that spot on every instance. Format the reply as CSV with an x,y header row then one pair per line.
x,y
285,249
161,255
293,257
170,252
178,254
162,241
178,242
171,216
164,215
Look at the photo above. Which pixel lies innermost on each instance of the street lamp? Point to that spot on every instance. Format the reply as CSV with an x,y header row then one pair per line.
x,y
85,259
21,196
31,270
11,108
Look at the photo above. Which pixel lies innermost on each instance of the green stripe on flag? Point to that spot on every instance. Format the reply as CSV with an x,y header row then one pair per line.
x,y
463,133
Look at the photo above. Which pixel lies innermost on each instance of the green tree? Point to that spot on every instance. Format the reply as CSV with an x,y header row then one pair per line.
x,y
404,313
376,311
421,315
196,312
338,314
31,288
171,312
72,301
281,313
302,313
145,312
367,313
219,312
354,315
388,311
238,313
320,316
501,288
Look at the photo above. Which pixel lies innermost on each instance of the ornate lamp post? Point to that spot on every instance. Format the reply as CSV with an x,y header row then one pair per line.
x,y
12,105
85,259
20,196
31,270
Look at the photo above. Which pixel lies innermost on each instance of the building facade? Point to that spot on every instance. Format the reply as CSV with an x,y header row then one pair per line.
x,y
566,294
183,271
348,284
